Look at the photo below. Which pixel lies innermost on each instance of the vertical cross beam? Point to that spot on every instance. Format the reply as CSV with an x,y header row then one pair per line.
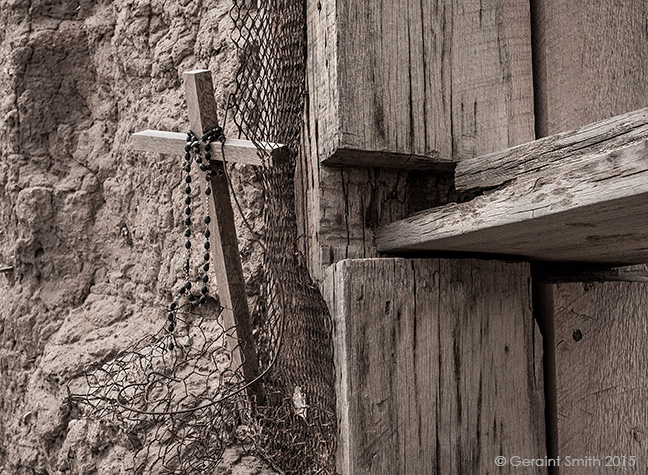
x,y
224,243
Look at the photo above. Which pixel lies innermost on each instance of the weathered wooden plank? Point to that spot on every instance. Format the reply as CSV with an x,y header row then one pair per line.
x,y
601,360
414,82
438,366
173,143
543,156
591,209
591,62
224,242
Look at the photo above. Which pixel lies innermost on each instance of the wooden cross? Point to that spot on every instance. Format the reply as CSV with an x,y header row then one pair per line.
x,y
203,117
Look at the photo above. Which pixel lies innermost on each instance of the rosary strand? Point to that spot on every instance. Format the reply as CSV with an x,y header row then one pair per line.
x,y
200,151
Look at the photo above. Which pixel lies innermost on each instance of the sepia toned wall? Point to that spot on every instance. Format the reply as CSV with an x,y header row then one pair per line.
x,y
92,229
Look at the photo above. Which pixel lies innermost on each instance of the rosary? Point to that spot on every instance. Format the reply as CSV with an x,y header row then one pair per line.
x,y
200,151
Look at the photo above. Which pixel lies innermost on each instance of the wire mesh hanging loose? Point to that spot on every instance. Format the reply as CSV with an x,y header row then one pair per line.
x,y
180,407
298,421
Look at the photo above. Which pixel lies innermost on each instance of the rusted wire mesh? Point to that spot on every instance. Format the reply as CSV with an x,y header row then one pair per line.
x,y
180,408
298,420
184,399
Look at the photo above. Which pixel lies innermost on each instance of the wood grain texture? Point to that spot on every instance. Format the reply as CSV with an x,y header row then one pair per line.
x,y
438,366
544,156
590,209
441,81
173,143
224,242
591,62
201,105
601,360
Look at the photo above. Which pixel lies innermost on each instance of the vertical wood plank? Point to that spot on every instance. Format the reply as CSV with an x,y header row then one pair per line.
x,y
590,59
601,360
201,104
591,63
224,242
438,366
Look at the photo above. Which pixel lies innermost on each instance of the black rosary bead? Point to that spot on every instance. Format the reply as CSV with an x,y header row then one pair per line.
x,y
191,297
187,168
171,346
206,267
188,179
205,278
181,290
204,290
202,300
170,316
171,327
207,147
187,232
195,303
195,144
206,256
187,156
206,244
198,159
188,285
203,168
207,220
207,233
208,191
187,210
207,156
188,221
188,148
172,306
188,200
187,244
188,190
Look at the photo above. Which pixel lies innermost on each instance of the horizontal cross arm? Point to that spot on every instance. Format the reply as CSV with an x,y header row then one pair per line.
x,y
173,143
590,208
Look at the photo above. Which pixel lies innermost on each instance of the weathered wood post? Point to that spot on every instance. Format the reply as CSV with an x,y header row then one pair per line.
x,y
438,361
591,64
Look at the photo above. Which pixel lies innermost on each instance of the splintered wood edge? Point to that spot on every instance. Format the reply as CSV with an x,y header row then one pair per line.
x,y
590,209
541,156
236,150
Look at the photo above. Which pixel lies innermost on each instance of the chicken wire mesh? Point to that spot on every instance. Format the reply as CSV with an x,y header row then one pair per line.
x,y
298,419
183,403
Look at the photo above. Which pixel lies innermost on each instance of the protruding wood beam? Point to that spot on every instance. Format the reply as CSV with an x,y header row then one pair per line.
x,y
173,143
541,157
589,208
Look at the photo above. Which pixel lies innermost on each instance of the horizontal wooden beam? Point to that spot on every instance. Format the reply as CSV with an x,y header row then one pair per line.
x,y
541,156
588,208
173,143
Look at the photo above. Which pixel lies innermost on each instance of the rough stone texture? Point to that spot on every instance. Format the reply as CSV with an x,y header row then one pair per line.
x,y
92,229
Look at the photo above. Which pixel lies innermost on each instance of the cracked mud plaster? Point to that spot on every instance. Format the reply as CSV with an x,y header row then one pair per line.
x,y
92,229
